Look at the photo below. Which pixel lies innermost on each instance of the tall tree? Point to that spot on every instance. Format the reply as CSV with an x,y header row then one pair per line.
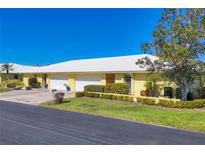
x,y
7,68
179,44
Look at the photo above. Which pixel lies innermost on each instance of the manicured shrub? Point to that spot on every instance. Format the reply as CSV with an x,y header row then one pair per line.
x,y
165,103
79,94
58,97
107,96
147,101
117,88
190,104
109,88
123,98
94,88
13,83
32,82
90,94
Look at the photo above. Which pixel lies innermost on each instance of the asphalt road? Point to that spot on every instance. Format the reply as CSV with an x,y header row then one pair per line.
x,y
27,124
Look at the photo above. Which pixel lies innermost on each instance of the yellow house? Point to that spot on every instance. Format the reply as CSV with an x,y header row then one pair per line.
x,y
100,71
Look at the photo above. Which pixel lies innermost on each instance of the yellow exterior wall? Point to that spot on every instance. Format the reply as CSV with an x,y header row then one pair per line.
x,y
137,81
40,79
103,79
138,84
71,81
119,78
26,77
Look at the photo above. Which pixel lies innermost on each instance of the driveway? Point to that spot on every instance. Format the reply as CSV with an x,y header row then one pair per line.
x,y
28,124
32,97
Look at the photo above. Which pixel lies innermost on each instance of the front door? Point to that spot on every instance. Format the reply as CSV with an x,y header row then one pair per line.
x,y
110,78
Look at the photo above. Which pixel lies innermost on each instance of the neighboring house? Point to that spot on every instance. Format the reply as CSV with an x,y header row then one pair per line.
x,y
100,71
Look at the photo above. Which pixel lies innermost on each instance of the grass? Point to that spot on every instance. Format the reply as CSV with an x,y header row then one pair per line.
x,y
185,119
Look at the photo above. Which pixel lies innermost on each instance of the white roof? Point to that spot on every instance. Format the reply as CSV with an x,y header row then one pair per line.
x,y
17,68
111,64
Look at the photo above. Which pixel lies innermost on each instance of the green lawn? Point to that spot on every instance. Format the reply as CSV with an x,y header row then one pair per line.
x,y
185,119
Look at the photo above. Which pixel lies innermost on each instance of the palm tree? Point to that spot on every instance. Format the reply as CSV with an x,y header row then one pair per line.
x,y
7,68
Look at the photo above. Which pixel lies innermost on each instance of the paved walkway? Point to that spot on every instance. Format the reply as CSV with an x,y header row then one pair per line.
x,y
29,124
33,97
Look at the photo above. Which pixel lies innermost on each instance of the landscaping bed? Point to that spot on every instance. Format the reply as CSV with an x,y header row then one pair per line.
x,y
184,118
163,102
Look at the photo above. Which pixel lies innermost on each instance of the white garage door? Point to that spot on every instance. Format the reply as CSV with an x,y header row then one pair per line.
x,y
57,82
83,81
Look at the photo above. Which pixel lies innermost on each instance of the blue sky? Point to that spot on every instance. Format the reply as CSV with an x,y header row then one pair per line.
x,y
46,36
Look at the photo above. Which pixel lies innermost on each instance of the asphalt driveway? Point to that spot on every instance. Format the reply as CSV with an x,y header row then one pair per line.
x,y
28,124
33,97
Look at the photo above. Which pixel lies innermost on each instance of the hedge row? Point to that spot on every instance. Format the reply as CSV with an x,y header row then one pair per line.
x,y
149,101
95,88
105,96
173,104
117,88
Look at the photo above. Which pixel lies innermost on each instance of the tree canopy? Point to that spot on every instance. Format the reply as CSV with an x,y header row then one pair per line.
x,y
179,44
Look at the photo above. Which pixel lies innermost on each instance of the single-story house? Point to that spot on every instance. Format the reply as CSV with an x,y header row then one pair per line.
x,y
99,71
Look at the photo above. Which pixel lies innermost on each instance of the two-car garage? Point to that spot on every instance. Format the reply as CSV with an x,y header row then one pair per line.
x,y
58,82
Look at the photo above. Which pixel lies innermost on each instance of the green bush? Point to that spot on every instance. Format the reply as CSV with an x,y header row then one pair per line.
x,y
13,83
94,88
190,104
152,86
199,93
165,103
89,94
32,82
117,88
110,96
182,104
147,101
79,94
107,96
